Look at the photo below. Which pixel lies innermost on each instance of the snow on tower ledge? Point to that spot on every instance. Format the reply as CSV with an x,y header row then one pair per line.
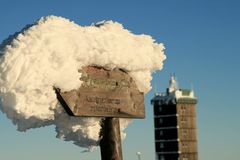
x,y
174,94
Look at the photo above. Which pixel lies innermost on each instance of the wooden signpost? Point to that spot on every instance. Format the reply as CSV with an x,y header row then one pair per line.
x,y
111,94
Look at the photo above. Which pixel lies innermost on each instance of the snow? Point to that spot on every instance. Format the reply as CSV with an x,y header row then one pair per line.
x,y
178,94
49,53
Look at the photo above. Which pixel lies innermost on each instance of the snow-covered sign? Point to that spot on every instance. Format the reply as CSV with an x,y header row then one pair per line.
x,y
49,53
104,93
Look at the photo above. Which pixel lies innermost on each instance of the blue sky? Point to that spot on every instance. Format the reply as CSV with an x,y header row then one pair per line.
x,y
202,47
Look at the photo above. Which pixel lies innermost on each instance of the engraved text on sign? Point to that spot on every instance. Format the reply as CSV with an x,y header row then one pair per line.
x,y
104,93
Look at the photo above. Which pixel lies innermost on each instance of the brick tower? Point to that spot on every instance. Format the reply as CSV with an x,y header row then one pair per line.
x,y
175,124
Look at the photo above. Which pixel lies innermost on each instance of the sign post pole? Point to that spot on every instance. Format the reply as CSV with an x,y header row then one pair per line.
x,y
110,143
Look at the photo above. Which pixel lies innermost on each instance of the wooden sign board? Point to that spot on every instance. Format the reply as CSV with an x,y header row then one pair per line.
x,y
104,93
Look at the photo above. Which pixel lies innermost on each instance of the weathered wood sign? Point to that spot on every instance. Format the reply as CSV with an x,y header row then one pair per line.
x,y
104,93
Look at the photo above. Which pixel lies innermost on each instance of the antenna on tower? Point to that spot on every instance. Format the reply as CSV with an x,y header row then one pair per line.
x,y
173,85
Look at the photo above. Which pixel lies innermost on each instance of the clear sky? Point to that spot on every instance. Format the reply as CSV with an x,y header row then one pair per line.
x,y
202,47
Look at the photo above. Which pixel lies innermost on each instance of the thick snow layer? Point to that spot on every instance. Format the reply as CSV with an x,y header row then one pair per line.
x,y
49,53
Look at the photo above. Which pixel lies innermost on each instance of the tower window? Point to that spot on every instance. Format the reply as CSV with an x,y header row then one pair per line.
x,y
160,109
160,120
162,157
161,132
184,132
182,109
185,157
184,121
185,147
161,145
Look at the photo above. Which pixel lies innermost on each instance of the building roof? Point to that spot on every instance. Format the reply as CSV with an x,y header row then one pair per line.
x,y
174,95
